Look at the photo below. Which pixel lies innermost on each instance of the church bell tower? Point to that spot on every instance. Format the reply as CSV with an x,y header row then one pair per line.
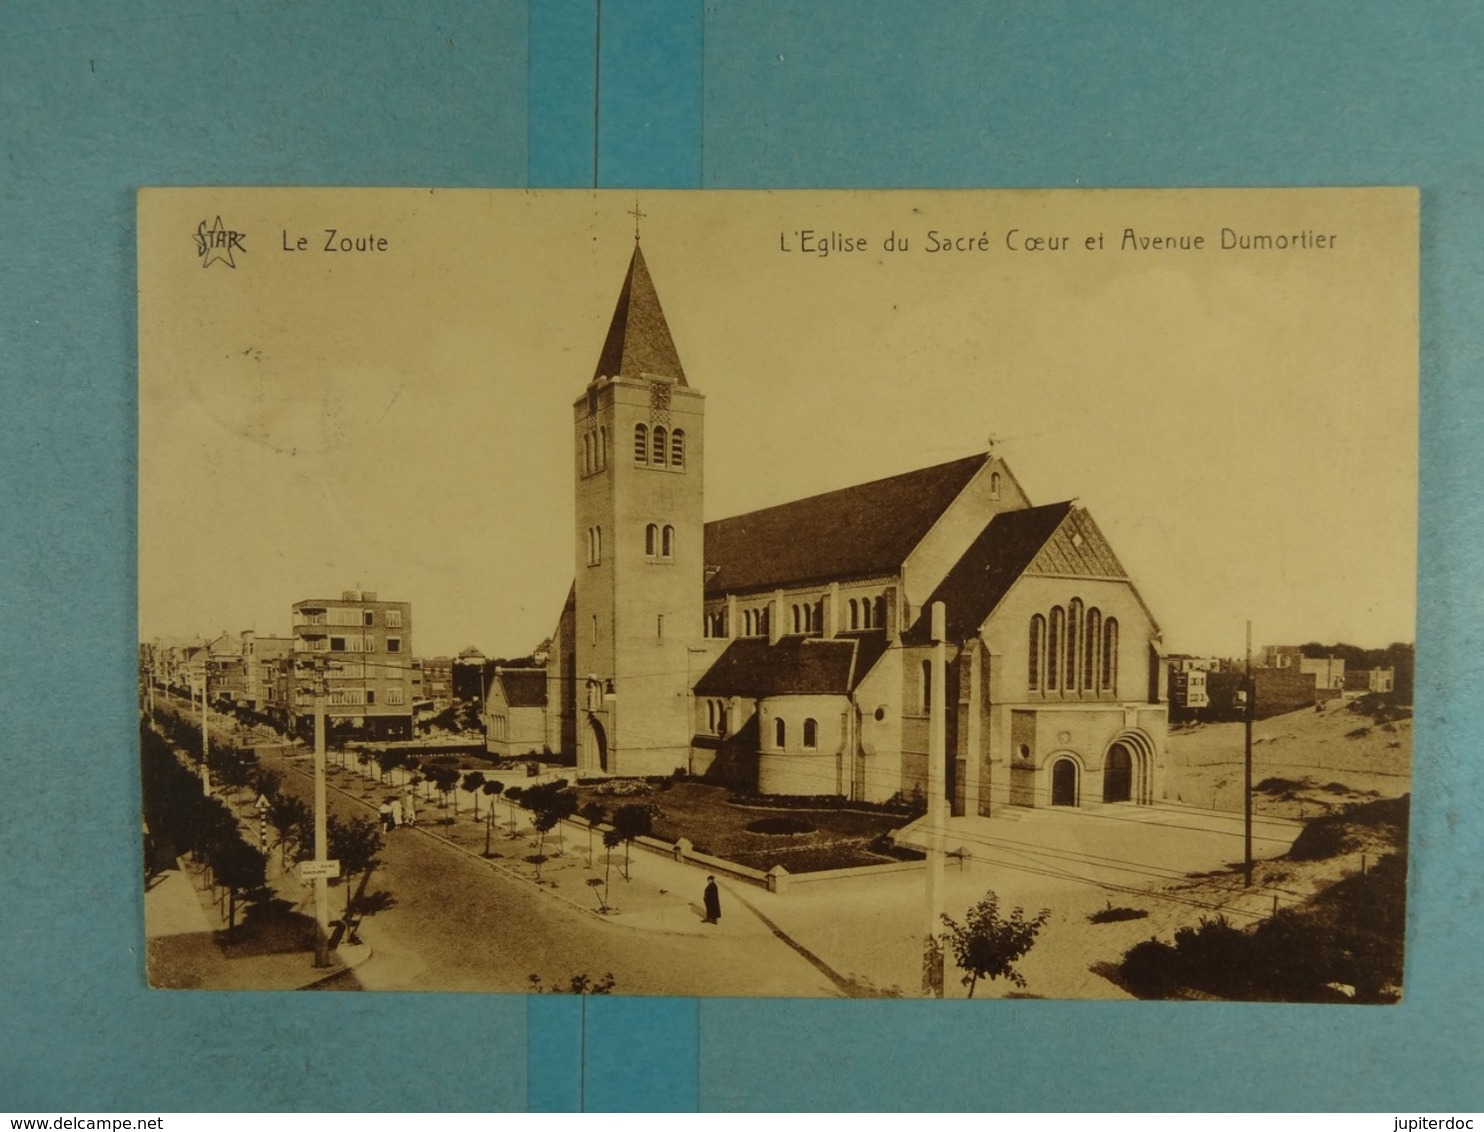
x,y
637,448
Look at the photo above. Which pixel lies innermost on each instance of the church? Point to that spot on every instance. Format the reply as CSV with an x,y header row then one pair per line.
x,y
786,651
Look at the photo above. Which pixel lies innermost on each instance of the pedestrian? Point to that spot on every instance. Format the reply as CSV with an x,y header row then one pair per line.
x,y
713,902
409,812
396,805
385,811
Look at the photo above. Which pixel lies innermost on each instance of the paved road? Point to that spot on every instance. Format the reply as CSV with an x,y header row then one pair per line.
x,y
457,924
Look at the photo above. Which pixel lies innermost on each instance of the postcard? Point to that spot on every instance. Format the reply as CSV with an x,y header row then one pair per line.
x,y
851,593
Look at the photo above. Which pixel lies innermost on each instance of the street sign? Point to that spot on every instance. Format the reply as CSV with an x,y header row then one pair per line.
x,y
314,870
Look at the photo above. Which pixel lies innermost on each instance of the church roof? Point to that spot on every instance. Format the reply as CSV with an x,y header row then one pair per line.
x,y
794,666
855,532
639,339
986,571
524,687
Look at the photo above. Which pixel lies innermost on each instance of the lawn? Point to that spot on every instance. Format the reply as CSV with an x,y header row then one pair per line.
x,y
840,838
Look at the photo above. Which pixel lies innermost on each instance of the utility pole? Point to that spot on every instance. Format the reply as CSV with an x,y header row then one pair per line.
x,y
205,733
321,835
1247,771
932,948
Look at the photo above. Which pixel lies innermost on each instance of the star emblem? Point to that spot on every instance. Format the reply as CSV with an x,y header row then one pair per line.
x,y
217,243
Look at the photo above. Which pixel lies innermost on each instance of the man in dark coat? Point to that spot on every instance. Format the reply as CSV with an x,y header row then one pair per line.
x,y
713,902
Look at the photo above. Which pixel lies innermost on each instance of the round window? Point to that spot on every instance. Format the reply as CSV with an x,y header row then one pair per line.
x,y
1025,752
880,712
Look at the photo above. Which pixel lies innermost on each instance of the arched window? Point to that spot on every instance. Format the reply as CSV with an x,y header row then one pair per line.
x,y
865,613
1055,635
597,545
994,485
747,622
711,715
602,447
1110,655
764,620
587,452
651,539
1091,648
641,444
816,623
855,614
811,734
780,733
667,542
927,686
658,447
1074,639
797,621
677,448
1035,659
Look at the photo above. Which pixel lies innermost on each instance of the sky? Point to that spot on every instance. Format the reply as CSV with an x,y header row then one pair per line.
x,y
1240,422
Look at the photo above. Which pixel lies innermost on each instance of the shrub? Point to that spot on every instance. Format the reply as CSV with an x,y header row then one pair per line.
x,y
1358,733
783,824
1324,837
624,788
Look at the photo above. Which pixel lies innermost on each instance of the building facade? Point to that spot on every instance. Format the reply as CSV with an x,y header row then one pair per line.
x,y
360,649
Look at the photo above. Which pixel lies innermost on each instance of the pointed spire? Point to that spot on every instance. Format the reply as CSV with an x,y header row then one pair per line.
x,y
638,339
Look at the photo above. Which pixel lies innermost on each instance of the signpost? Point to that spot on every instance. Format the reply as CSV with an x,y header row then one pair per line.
x,y
319,870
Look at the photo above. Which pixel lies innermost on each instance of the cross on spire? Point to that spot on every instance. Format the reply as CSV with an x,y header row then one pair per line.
x,y
638,216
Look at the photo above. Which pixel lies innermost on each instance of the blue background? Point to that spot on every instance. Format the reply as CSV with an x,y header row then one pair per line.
x,y
97,99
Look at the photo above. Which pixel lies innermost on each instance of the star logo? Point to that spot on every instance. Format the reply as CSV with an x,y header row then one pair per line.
x,y
218,243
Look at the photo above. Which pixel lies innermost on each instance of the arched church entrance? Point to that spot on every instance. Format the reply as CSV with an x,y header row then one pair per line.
x,y
1064,783
595,745
1118,774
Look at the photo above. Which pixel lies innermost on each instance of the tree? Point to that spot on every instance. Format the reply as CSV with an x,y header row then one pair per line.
x,y
512,797
494,788
291,820
472,783
986,946
354,844
592,813
444,778
631,821
240,868
611,839
595,883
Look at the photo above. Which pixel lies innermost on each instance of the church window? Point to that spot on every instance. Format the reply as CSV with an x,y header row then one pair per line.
x,y
1073,639
1110,655
1036,659
994,485
587,453
651,540
811,734
1055,634
855,614
677,448
780,734
747,623
659,627
1094,632
710,715
602,452
641,444
661,438
595,628
667,542
798,621
927,687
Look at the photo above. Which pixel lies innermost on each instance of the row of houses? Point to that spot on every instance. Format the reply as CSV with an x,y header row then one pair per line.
x,y
1283,679
355,648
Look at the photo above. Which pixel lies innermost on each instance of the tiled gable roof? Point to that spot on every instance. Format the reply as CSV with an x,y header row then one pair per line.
x,y
854,532
986,571
750,666
639,339
1078,549
524,687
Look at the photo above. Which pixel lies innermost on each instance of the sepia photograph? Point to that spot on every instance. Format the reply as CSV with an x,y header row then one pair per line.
x,y
953,594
